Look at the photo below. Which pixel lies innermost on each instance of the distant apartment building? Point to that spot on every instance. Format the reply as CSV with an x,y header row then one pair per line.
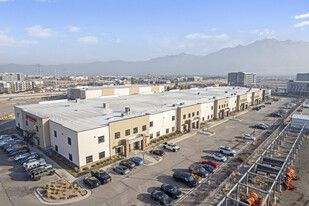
x,y
241,79
15,86
302,77
12,77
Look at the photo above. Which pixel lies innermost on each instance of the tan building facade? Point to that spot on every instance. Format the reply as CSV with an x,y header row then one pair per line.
x,y
221,108
188,117
242,102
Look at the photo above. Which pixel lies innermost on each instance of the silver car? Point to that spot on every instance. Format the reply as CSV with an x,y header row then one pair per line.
x,y
219,157
121,170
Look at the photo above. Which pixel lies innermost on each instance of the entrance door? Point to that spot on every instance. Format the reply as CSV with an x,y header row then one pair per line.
x,y
193,125
136,145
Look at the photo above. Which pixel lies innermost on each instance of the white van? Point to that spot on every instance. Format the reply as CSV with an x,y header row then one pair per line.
x,y
34,164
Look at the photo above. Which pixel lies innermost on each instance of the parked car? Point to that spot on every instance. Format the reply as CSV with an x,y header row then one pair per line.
x,y
262,105
161,198
17,147
171,146
137,160
269,102
33,164
198,170
256,108
227,150
31,156
20,156
32,160
249,137
127,163
219,157
157,152
185,178
6,142
18,151
121,170
261,126
209,168
2,137
41,171
211,163
171,191
11,143
92,182
102,176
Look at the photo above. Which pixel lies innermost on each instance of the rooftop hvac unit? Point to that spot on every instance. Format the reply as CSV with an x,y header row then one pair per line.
x,y
127,110
214,97
105,105
174,105
182,103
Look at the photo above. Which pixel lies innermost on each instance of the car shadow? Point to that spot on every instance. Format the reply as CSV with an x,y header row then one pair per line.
x,y
180,170
210,151
166,179
151,189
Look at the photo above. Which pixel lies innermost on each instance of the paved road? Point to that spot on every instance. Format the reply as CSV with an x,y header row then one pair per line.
x,y
7,124
135,188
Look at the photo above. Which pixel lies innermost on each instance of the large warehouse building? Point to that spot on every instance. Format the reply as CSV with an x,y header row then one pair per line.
x,y
87,131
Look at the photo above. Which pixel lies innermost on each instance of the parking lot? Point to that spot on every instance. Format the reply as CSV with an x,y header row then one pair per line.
x,y
135,188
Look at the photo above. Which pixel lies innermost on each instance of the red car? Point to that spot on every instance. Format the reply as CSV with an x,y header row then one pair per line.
x,y
211,163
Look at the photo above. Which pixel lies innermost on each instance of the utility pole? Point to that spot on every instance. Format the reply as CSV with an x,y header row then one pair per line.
x,y
56,79
39,68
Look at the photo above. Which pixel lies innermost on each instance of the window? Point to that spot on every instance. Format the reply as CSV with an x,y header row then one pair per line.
x,y
151,136
55,133
158,134
89,159
219,106
117,135
151,124
135,130
189,115
173,129
102,155
208,117
37,128
193,114
173,118
70,157
27,122
212,107
56,148
184,116
203,119
69,141
167,131
127,132
101,139
197,113
144,128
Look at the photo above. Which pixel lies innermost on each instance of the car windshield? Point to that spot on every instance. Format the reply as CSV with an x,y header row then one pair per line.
x,y
170,188
103,174
190,178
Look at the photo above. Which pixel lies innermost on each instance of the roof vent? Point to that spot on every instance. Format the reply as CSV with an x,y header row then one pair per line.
x,y
77,100
182,103
214,97
174,105
127,110
105,105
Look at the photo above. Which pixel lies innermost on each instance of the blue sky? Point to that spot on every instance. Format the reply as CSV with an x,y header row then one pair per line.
x,y
75,31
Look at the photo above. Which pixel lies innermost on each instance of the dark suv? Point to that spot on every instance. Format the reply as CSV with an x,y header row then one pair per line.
x,y
102,176
185,178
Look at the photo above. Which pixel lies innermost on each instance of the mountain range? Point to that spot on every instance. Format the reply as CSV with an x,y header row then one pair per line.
x,y
264,57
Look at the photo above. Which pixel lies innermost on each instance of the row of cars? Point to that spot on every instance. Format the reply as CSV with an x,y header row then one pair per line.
x,y
101,177
18,150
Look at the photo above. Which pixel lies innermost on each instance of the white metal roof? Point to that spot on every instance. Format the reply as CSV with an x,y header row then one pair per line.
x,y
90,114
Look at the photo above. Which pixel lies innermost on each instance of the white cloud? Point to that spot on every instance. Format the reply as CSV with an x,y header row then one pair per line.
x,y
3,0
204,36
88,40
117,41
10,41
39,31
302,16
73,28
6,30
268,33
301,24
214,29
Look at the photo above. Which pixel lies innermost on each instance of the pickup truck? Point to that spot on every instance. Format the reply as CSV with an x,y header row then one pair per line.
x,y
171,146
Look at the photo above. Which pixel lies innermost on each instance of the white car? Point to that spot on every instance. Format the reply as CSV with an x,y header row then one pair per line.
x,y
219,157
227,150
249,137
171,146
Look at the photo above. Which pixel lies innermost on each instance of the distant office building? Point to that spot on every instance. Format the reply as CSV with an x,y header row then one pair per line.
x,y
302,77
12,77
195,79
298,87
241,79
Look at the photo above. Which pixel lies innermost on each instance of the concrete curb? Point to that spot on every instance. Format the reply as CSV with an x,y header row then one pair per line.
x,y
46,202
